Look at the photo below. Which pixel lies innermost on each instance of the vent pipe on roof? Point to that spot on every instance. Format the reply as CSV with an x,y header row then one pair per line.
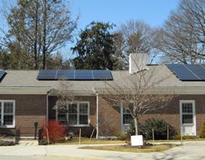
x,y
137,62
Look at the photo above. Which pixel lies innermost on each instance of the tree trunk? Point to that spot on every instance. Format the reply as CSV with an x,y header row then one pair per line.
x,y
36,37
136,125
44,33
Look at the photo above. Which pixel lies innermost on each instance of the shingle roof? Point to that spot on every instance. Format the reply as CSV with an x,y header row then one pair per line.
x,y
25,82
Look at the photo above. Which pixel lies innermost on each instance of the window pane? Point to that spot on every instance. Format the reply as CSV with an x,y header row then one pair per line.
x,y
187,119
127,119
72,108
125,111
72,119
62,118
83,108
8,108
83,119
62,109
187,108
8,119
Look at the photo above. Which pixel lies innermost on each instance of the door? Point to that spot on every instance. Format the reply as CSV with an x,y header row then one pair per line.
x,y
187,117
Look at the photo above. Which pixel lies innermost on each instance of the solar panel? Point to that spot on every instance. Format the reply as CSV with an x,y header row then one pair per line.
x,y
83,75
182,72
102,75
75,75
198,70
65,74
47,74
2,75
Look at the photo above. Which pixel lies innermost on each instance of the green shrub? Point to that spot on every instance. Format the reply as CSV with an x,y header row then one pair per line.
x,y
131,129
160,129
122,136
202,131
178,137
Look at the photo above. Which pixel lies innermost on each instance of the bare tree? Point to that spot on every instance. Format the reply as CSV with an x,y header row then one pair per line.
x,y
139,93
183,36
65,97
40,27
135,37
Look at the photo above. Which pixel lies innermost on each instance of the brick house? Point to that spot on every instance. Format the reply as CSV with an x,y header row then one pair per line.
x,y
24,100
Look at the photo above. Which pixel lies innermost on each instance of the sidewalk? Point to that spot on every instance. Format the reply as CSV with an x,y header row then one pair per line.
x,y
190,151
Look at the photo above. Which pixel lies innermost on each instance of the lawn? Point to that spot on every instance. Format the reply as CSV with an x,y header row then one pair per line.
x,y
75,141
127,148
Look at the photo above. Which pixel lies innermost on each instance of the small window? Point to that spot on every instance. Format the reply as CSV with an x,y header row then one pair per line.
x,y
127,117
7,113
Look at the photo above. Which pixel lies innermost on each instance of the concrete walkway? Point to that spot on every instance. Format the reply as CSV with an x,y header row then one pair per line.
x,y
189,151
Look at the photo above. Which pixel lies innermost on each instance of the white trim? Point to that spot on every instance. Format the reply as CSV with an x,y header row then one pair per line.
x,y
194,116
14,111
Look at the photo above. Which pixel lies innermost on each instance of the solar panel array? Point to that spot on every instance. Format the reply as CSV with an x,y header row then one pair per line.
x,y
2,75
188,72
75,75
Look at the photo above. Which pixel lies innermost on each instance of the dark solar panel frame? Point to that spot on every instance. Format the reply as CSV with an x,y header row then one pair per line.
x,y
197,70
47,75
83,75
76,75
102,75
2,75
65,74
188,72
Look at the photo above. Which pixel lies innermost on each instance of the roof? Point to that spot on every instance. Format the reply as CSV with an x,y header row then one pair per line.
x,y
25,82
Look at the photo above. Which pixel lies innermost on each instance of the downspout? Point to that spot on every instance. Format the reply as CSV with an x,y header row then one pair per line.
x,y
97,116
47,107
97,113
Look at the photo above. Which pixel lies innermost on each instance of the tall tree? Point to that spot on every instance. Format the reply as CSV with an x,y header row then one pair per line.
x,y
183,36
136,37
41,28
95,48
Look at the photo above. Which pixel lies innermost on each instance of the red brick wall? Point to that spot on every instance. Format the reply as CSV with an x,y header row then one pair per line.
x,y
171,114
29,109
32,108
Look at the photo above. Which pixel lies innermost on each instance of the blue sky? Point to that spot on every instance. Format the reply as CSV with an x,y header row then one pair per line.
x,y
153,12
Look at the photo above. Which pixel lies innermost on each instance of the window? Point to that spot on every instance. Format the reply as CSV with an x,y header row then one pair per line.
x,y
187,113
127,117
76,114
7,114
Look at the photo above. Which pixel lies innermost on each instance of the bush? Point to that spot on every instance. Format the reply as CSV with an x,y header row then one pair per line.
x,y
202,131
178,137
122,136
131,129
160,129
54,131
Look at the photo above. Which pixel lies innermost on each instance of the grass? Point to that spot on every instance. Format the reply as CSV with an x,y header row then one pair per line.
x,y
126,148
75,141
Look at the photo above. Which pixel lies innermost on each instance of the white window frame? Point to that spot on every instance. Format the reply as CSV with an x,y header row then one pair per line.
x,y
78,114
193,113
2,113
